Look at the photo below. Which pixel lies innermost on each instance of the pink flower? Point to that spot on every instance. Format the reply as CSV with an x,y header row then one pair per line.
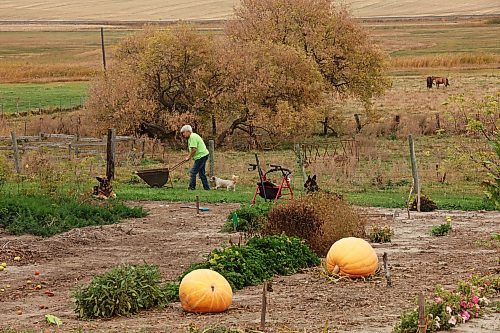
x,y
452,321
438,300
475,299
465,315
463,304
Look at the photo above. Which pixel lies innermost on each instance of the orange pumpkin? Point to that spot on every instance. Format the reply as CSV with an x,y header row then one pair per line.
x,y
353,257
205,291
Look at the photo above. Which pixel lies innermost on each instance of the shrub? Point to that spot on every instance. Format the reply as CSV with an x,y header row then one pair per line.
x,y
249,218
258,260
318,218
426,204
124,290
47,216
381,235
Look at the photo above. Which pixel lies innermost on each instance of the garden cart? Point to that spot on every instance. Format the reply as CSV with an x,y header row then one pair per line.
x,y
158,177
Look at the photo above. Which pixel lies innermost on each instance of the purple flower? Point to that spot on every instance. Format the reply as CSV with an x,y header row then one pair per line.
x,y
465,315
475,299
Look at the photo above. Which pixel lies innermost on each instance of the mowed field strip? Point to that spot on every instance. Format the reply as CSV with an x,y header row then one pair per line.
x,y
154,10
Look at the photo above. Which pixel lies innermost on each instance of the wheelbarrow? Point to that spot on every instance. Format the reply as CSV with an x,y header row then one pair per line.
x,y
158,177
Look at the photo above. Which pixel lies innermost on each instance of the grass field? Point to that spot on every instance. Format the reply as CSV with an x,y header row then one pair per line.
x,y
29,96
154,10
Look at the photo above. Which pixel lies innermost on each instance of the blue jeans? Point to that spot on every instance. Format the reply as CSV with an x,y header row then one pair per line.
x,y
199,168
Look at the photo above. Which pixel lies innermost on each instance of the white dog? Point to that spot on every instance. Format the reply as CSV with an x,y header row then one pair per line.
x,y
223,183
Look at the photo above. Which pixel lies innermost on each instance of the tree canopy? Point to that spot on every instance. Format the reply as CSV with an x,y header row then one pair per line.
x,y
270,74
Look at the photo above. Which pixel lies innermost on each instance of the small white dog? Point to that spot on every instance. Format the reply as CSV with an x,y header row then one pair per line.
x,y
224,183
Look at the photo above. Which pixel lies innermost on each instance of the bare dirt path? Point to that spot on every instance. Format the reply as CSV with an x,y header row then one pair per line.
x,y
173,238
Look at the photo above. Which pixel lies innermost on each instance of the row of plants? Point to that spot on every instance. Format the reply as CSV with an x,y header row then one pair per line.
x,y
128,289
448,309
42,215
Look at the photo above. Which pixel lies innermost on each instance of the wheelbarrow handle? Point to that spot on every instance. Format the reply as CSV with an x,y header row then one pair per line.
x,y
178,165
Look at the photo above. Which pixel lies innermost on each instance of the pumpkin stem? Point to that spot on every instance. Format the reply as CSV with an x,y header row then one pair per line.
x,y
336,270
213,288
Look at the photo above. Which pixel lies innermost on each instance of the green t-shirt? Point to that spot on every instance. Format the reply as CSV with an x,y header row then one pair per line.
x,y
195,141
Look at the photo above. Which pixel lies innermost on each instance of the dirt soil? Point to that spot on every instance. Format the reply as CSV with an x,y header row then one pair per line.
x,y
174,237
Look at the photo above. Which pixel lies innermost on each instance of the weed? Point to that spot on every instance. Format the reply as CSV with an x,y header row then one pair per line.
x,y
47,216
124,290
441,230
381,235
248,218
320,219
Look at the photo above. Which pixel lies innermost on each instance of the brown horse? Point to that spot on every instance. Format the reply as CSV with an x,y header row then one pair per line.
x,y
429,82
440,80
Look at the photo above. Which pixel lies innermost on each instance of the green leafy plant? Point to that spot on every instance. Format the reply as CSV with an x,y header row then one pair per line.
x,y
381,235
51,319
124,290
318,218
258,260
249,218
46,216
442,229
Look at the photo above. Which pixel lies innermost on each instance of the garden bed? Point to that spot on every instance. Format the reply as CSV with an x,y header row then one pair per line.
x,y
174,238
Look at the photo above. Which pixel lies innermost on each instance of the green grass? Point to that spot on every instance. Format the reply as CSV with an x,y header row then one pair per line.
x,y
26,96
45,216
445,198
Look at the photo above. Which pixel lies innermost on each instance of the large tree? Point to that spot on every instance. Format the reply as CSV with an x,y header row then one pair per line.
x,y
349,61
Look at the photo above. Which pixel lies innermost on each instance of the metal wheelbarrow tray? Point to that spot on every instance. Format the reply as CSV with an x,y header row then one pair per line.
x,y
154,177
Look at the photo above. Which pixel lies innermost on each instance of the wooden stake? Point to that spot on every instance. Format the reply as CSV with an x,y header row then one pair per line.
x,y
110,154
264,307
197,204
386,270
211,149
16,152
422,320
414,169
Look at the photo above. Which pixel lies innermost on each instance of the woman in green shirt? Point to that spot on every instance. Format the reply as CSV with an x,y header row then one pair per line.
x,y
199,153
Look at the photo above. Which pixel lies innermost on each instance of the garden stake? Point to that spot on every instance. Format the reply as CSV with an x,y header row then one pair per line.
x,y
422,320
386,270
197,205
264,307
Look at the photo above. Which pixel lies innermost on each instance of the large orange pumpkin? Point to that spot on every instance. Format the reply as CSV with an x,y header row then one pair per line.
x,y
205,291
352,256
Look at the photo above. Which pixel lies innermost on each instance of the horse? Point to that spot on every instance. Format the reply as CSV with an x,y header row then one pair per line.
x,y
429,82
440,80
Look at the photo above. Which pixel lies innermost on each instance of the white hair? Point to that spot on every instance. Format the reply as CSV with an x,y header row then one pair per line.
x,y
186,128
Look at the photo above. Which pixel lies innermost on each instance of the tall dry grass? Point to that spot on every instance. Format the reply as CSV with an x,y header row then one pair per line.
x,y
14,72
446,60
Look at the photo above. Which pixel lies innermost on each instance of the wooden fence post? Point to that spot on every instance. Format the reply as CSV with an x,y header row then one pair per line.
x,y
110,154
300,161
422,320
264,307
414,169
103,48
16,152
211,149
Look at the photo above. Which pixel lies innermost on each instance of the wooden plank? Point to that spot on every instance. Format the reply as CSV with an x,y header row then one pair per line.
x,y
110,154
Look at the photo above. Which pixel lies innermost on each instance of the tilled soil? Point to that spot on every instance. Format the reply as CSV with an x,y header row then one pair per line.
x,y
174,237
